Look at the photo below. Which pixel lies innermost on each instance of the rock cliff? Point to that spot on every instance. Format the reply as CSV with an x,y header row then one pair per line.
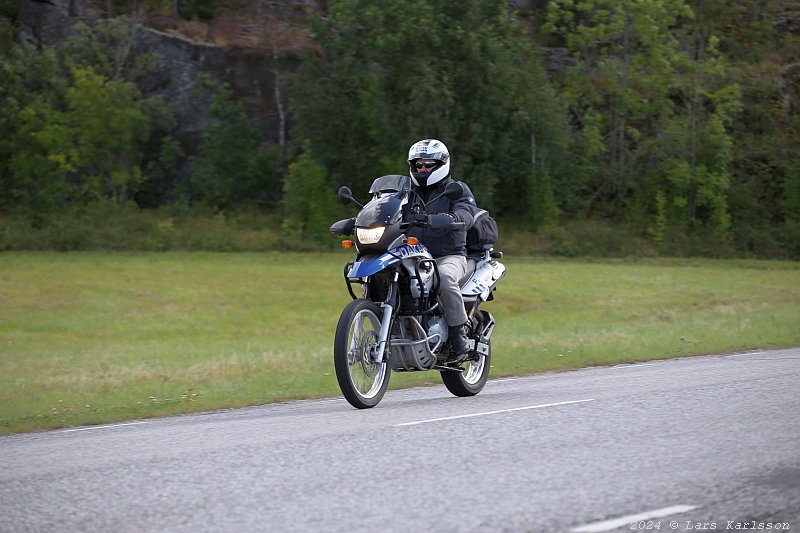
x,y
249,50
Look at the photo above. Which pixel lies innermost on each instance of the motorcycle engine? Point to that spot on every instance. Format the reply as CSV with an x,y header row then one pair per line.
x,y
419,290
437,325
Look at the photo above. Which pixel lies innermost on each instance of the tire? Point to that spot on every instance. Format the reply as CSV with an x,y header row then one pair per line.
x,y
362,381
471,381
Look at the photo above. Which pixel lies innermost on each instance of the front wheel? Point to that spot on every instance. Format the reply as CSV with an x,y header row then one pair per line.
x,y
471,381
362,381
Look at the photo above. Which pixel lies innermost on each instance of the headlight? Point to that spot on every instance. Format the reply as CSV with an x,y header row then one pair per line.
x,y
371,235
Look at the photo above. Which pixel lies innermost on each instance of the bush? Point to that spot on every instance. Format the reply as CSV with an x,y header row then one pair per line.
x,y
105,227
309,204
594,239
752,241
790,238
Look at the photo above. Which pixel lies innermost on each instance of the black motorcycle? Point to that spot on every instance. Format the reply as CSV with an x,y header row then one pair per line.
x,y
395,321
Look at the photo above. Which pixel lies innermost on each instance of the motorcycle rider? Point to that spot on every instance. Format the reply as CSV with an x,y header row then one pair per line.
x,y
429,166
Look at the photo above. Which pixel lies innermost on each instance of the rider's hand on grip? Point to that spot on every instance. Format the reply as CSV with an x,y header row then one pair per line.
x,y
421,219
444,221
437,221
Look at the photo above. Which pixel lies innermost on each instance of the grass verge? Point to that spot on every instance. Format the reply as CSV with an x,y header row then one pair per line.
x,y
91,338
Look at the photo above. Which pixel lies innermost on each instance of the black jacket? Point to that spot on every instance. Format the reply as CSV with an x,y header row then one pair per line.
x,y
444,242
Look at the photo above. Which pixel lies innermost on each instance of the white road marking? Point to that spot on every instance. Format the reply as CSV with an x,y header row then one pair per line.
x,y
108,426
631,365
491,412
503,380
608,525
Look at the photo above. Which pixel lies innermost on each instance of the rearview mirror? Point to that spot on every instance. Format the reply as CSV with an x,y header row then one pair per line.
x,y
345,195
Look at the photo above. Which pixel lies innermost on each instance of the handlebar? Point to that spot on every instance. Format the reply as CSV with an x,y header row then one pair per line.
x,y
436,221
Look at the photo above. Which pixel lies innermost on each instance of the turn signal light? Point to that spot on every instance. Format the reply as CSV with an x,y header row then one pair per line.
x,y
412,240
347,244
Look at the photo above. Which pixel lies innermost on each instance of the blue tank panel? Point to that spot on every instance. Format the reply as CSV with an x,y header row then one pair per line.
x,y
362,269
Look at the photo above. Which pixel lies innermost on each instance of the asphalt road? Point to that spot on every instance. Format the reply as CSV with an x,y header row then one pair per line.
x,y
695,444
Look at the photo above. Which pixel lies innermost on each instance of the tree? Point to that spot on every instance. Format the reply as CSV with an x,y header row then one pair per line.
x,y
231,166
764,195
465,73
691,159
160,156
625,53
307,199
108,48
108,128
30,83
546,121
697,145
89,151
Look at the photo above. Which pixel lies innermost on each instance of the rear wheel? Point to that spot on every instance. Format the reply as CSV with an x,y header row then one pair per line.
x,y
471,381
362,381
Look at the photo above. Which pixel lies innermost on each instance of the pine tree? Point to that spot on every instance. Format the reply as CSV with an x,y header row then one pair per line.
x,y
308,203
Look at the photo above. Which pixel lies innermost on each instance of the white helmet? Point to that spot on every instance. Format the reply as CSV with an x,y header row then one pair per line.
x,y
429,149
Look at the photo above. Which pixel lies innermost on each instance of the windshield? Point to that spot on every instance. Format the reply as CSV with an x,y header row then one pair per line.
x,y
382,210
390,183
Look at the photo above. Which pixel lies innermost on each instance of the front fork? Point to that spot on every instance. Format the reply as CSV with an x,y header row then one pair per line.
x,y
386,321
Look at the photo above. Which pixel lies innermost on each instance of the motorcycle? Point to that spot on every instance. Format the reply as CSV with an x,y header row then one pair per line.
x,y
395,322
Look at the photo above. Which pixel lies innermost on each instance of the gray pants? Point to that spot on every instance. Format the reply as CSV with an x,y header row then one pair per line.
x,y
452,269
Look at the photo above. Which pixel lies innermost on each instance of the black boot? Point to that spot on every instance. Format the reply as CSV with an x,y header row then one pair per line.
x,y
458,341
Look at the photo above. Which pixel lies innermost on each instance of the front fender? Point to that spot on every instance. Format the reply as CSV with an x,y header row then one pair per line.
x,y
372,265
368,267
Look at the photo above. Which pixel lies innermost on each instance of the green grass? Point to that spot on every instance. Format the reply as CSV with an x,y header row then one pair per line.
x,y
96,337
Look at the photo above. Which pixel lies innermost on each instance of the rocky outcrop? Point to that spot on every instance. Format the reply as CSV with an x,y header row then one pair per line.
x,y
46,22
247,50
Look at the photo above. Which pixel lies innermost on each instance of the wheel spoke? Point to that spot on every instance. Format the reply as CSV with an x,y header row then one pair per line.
x,y
474,369
362,381
366,375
